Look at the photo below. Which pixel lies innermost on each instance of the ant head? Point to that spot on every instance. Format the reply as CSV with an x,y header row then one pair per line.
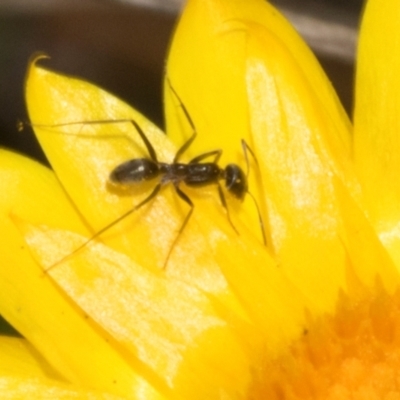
x,y
235,181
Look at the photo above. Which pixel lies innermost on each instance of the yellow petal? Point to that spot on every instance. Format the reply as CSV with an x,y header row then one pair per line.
x,y
207,68
276,96
207,257
376,125
302,157
227,114
24,374
175,330
83,156
19,358
27,389
172,328
31,302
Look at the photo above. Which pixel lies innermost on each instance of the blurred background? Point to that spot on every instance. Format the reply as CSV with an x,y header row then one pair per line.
x,y
122,45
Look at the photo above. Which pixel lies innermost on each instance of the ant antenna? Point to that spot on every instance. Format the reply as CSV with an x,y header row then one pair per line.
x,y
185,111
246,148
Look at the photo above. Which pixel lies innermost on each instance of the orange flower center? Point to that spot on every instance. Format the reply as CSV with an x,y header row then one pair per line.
x,y
354,354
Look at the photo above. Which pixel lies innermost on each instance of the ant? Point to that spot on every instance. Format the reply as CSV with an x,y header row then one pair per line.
x,y
195,174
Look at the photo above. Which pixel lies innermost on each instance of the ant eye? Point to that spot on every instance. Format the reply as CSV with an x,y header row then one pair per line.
x,y
235,181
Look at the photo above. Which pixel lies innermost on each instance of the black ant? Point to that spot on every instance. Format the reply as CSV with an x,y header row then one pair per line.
x,y
195,174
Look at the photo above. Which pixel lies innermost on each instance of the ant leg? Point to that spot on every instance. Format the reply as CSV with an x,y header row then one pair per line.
x,y
184,147
149,146
246,148
216,153
223,202
187,200
107,227
22,124
187,144
185,111
146,141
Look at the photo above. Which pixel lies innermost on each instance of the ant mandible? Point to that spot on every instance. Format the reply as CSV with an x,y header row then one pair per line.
x,y
195,174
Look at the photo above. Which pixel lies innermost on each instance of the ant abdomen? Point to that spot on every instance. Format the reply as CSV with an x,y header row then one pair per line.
x,y
235,181
135,170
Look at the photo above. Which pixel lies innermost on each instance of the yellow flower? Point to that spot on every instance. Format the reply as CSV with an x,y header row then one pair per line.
x,y
314,314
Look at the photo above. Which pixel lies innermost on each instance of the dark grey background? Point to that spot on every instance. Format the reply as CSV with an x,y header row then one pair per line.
x,y
122,47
